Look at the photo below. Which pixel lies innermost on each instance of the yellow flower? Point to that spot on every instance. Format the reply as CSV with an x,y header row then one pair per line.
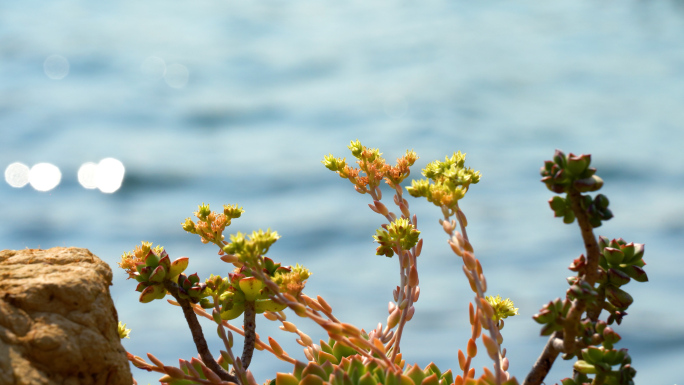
x,y
503,308
123,332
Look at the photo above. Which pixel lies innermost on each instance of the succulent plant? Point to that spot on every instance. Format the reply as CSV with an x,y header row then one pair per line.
x,y
241,286
552,316
151,267
571,171
352,371
600,361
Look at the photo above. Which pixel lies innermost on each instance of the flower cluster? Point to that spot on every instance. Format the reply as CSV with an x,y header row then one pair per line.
x,y
373,165
447,181
210,225
248,247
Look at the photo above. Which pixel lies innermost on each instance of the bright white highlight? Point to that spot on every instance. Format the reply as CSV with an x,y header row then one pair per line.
x,y
154,68
86,175
56,67
177,75
107,175
44,176
17,174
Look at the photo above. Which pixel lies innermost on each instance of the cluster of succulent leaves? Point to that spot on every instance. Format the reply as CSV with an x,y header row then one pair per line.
x,y
619,263
447,182
401,231
336,363
151,267
600,361
597,209
572,173
241,286
351,370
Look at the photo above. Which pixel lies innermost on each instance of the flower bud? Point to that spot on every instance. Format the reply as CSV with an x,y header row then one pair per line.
x,y
189,226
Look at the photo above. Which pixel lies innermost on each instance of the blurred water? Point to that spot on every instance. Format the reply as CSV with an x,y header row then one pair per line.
x,y
237,102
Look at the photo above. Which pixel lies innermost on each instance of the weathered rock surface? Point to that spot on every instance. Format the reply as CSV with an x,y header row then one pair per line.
x,y
58,324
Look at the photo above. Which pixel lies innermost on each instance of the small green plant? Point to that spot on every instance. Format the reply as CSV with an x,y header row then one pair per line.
x,y
354,356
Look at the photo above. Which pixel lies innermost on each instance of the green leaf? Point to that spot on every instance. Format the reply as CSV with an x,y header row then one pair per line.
x,y
415,373
178,266
286,379
367,379
151,293
158,274
311,379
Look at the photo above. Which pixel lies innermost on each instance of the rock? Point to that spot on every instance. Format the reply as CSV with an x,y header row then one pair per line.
x,y
58,324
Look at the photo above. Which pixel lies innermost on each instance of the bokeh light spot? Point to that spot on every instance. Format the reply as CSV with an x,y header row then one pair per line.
x,y
107,175
56,67
17,174
44,176
86,175
154,68
177,75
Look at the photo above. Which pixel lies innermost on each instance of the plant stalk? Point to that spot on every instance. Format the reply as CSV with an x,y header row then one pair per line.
x,y
250,334
197,335
545,361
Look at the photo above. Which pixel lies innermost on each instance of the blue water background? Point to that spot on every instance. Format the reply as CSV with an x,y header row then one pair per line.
x,y
275,85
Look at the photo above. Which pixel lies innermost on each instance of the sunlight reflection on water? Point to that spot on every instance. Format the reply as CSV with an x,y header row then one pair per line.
x,y
56,67
106,176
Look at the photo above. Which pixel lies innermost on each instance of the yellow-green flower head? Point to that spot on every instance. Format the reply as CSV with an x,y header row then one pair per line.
x,y
251,246
232,211
292,281
123,332
334,164
448,181
452,169
302,272
189,226
203,211
356,148
503,308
